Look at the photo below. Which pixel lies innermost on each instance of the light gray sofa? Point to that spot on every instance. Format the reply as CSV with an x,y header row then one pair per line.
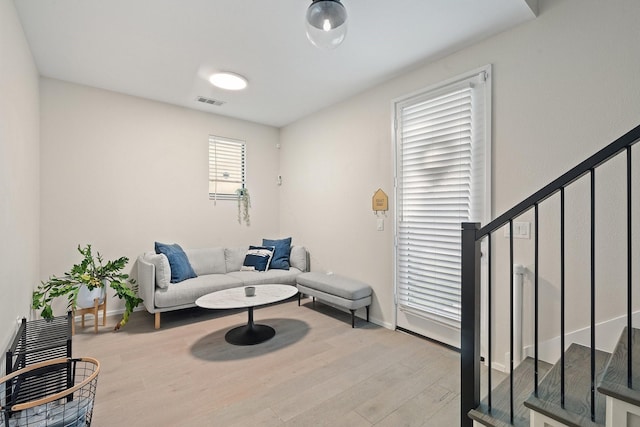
x,y
216,268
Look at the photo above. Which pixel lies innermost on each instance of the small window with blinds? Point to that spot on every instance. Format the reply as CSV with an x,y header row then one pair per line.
x,y
441,139
226,167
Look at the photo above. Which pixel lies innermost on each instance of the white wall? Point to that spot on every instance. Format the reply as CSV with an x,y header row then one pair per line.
x,y
121,172
565,85
19,174
332,163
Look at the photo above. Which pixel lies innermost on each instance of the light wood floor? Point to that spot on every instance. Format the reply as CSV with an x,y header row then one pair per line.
x,y
316,371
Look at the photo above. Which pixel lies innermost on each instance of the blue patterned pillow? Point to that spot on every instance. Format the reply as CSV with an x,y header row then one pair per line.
x,y
281,253
257,258
178,261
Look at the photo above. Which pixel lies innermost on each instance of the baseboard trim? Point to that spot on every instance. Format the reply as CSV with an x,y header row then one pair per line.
x,y
415,334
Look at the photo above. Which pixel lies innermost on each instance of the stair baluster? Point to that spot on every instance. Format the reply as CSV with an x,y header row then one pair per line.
x,y
629,270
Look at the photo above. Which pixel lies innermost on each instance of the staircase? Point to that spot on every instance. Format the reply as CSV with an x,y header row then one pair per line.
x,y
586,386
615,404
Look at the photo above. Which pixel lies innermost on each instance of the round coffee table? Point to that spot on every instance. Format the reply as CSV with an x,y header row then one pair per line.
x,y
250,333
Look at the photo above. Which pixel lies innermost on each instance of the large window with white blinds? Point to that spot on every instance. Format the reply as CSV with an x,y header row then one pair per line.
x,y
442,174
226,167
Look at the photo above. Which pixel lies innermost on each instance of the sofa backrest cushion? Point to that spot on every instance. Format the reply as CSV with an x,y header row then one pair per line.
x,y
216,261
298,258
207,260
234,257
163,270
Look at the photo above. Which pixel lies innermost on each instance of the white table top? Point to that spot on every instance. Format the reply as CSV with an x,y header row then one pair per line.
x,y
235,297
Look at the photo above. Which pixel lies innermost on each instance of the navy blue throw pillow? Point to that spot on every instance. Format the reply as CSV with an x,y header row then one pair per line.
x,y
281,253
180,267
257,258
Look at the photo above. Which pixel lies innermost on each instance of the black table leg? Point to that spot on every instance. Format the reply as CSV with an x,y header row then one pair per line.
x,y
250,333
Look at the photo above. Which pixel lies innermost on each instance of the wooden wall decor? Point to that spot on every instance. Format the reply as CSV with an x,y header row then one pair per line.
x,y
380,202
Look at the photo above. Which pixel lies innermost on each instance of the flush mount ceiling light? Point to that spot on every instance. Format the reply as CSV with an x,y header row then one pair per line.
x,y
326,23
228,81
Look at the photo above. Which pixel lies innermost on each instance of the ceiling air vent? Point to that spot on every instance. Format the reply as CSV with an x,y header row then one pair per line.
x,y
209,101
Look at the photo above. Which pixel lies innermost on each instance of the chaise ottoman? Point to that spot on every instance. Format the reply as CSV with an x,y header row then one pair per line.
x,y
337,290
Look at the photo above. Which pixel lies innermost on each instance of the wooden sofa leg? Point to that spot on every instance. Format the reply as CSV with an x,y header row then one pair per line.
x,y
299,297
367,314
353,318
157,320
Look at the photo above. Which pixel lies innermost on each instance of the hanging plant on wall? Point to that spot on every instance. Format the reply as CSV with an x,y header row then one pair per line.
x,y
244,203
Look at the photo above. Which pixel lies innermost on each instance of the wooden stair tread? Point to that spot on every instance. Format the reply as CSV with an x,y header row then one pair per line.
x,y
523,376
614,380
577,410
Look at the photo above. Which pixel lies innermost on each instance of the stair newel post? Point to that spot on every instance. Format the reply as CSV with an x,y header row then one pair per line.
x,y
470,323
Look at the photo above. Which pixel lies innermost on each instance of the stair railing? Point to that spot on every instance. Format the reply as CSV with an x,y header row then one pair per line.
x,y
473,235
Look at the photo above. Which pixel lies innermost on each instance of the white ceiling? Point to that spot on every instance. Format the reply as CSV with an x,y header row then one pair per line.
x,y
165,49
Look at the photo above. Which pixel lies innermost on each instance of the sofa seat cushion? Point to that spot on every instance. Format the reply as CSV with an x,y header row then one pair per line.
x,y
250,278
187,291
334,284
349,304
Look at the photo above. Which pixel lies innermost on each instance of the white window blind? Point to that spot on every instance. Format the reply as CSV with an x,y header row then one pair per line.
x,y
440,184
226,167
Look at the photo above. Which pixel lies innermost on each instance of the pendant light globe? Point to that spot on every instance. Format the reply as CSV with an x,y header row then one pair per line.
x,y
326,23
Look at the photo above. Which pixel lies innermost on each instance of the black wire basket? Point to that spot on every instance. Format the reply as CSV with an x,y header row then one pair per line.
x,y
53,393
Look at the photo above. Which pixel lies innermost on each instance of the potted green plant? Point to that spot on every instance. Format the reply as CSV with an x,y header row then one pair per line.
x,y
93,273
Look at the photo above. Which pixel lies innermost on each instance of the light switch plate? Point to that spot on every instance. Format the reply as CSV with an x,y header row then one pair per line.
x,y
521,230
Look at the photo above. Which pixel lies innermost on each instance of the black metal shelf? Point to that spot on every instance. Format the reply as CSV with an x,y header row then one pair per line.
x,y
39,340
